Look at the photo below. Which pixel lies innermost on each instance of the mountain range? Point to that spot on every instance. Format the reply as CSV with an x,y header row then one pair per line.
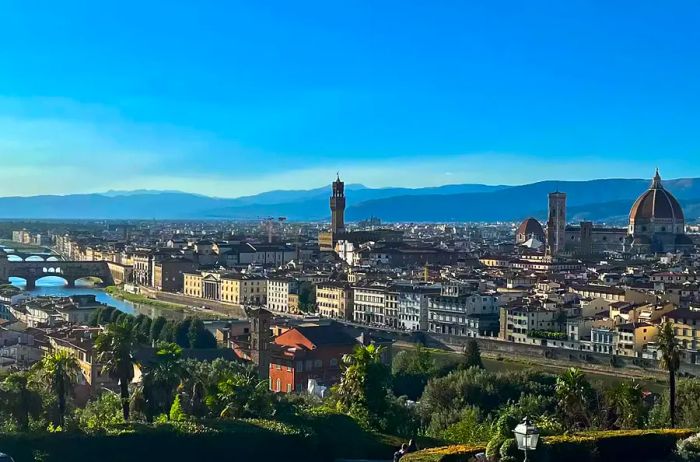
x,y
606,200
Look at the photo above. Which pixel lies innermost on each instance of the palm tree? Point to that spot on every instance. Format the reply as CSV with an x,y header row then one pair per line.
x,y
115,347
161,377
364,381
242,394
22,400
670,361
60,371
573,393
625,403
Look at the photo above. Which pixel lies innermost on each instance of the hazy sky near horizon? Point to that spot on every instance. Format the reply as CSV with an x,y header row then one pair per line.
x,y
233,97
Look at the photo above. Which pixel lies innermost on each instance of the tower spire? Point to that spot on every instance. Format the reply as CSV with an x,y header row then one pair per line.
x,y
656,182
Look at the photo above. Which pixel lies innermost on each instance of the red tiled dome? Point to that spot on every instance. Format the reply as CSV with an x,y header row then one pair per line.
x,y
656,204
530,227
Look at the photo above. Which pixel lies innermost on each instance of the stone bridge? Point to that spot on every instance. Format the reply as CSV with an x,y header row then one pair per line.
x,y
35,256
71,271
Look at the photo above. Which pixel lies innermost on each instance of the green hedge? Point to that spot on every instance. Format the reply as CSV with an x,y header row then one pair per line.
x,y
618,446
319,439
623,446
455,453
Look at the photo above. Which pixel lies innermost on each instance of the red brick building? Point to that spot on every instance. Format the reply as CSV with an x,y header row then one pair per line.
x,y
308,352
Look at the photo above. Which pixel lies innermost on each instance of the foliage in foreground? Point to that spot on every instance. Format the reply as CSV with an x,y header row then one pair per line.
x,y
619,446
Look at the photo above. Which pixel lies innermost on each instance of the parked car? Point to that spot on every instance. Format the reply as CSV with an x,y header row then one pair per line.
x,y
6,458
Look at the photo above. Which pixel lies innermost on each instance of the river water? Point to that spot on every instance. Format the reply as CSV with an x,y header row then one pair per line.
x,y
56,287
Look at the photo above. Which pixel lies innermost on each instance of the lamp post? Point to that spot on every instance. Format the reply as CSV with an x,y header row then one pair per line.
x,y
527,436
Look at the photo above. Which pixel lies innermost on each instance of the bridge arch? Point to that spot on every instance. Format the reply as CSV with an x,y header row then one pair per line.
x,y
34,258
71,271
51,278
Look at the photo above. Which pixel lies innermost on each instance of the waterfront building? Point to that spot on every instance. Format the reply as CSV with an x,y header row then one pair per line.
x,y
334,299
460,310
283,295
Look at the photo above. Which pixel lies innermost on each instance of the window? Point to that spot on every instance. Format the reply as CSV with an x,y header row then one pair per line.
x,y
333,362
279,385
289,388
318,363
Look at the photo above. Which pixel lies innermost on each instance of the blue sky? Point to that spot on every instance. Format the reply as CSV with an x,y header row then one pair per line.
x,y
230,98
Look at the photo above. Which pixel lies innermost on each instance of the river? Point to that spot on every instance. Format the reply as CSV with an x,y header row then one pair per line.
x,y
56,287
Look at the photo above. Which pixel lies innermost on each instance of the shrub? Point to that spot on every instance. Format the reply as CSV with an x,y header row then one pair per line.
x,y
689,449
618,446
457,453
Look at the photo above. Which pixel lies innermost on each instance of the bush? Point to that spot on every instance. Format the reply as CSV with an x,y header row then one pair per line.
x,y
618,446
509,449
314,438
689,449
457,453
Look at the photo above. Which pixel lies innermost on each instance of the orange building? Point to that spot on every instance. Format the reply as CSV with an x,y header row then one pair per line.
x,y
308,352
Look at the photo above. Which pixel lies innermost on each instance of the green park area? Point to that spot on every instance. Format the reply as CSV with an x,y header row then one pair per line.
x,y
453,406
142,299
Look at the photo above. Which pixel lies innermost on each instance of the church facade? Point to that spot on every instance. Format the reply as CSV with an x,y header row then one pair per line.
x,y
656,225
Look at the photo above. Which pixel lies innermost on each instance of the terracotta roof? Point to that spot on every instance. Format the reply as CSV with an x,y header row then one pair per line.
x,y
656,203
531,227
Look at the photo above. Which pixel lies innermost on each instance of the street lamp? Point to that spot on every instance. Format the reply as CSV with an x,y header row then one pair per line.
x,y
527,436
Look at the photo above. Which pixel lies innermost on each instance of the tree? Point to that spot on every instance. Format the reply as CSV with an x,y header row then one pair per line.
x,y
411,370
167,333
362,390
104,315
199,337
625,403
101,413
181,331
114,316
472,356
59,371
160,379
574,393
20,398
241,393
156,327
115,347
670,361
307,297
145,327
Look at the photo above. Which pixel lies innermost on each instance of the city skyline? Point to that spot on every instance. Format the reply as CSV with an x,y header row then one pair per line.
x,y
236,99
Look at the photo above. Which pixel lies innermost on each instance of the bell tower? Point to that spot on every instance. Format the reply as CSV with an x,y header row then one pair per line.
x,y
338,207
556,223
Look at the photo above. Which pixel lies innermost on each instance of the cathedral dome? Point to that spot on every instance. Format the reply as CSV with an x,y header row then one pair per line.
x,y
529,228
656,205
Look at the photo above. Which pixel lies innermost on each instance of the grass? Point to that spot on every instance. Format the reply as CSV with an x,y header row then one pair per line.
x,y
142,300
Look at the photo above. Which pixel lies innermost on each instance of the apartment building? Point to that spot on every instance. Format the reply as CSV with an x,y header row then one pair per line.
x,y
283,295
458,310
334,299
369,303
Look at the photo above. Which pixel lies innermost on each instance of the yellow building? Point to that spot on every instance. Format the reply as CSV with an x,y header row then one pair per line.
x,y
686,324
193,284
631,338
334,300
244,289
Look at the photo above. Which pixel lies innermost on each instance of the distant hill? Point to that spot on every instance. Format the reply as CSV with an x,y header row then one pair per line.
x,y
597,200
